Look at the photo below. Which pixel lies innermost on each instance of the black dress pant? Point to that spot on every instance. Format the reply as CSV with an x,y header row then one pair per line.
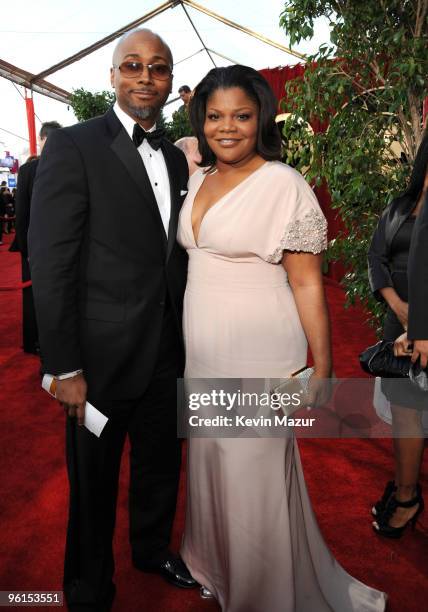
x,y
30,335
93,467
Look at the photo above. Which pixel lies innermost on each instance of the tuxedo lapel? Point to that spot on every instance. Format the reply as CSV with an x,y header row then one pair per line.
x,y
127,153
175,195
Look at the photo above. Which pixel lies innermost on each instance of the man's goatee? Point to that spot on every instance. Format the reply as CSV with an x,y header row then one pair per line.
x,y
142,113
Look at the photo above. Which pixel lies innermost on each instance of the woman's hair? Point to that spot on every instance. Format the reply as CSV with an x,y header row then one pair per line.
x,y
268,144
420,167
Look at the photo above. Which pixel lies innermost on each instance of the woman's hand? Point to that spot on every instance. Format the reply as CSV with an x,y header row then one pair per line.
x,y
401,310
402,346
319,390
397,305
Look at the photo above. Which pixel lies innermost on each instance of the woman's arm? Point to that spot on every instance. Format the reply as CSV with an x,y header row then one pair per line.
x,y
379,272
305,278
400,308
377,258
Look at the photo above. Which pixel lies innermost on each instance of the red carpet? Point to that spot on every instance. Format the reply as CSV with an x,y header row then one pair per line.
x,y
344,477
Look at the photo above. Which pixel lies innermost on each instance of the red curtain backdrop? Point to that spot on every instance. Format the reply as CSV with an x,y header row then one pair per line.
x,y
277,77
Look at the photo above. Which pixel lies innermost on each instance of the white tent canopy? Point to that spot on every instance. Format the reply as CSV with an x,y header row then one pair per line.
x,y
40,35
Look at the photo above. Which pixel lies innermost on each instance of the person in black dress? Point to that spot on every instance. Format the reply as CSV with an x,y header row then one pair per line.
x,y
388,257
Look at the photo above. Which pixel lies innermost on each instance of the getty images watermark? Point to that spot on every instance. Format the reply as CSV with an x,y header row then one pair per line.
x,y
253,408
237,402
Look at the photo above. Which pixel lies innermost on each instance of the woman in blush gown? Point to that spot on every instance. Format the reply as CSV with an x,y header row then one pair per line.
x,y
254,233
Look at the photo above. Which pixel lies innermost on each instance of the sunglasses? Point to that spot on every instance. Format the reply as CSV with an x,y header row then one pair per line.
x,y
132,70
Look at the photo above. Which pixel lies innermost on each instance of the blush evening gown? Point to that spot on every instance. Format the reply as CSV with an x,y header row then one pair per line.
x,y
251,536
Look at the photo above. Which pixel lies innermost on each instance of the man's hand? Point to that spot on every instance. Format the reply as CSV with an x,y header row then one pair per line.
x,y
420,350
402,346
71,393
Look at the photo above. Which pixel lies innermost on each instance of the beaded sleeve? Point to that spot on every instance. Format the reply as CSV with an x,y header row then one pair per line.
x,y
308,234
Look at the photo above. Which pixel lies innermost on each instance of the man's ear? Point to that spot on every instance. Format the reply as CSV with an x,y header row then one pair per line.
x,y
112,77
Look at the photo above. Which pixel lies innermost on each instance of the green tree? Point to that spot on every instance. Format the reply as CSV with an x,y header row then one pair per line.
x,y
369,84
179,126
87,105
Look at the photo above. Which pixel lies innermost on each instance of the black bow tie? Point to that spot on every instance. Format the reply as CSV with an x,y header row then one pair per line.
x,y
153,138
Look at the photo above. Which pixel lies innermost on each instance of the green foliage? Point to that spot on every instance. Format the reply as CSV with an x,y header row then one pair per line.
x,y
179,126
87,105
162,122
297,143
369,85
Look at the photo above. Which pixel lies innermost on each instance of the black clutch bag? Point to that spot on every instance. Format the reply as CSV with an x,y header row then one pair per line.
x,y
379,360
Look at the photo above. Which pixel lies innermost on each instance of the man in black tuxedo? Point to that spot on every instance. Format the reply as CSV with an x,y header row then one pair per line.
x,y
108,282
26,176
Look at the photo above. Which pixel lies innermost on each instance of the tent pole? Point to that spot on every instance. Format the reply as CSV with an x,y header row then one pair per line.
x,y
229,59
23,77
197,33
29,106
188,57
105,41
233,24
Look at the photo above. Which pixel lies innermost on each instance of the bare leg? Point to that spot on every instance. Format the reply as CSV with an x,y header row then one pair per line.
x,y
408,452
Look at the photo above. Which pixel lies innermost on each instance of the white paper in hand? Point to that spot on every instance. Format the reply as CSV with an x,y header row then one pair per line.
x,y
95,420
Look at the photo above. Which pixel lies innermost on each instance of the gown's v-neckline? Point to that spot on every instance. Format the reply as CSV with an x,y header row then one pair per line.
x,y
196,238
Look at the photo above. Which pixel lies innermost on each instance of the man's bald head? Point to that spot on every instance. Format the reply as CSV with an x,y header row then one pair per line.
x,y
140,34
141,91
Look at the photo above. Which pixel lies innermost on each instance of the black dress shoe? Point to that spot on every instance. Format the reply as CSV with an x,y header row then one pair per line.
x,y
173,570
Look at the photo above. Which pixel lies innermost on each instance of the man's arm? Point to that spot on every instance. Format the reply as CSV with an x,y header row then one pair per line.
x,y
58,214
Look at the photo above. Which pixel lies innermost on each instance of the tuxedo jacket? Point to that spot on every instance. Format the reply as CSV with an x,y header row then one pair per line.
x,y
418,277
102,266
27,174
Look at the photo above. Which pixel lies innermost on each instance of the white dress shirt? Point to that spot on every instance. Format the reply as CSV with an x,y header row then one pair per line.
x,y
154,162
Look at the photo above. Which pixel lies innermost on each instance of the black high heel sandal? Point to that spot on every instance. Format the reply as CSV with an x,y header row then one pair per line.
x,y
380,505
382,527
389,491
